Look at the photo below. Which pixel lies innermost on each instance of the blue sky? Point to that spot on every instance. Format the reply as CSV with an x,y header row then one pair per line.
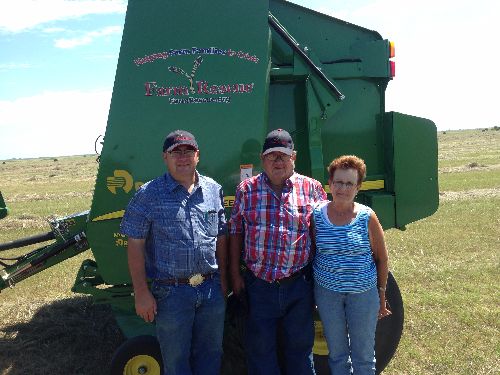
x,y
58,60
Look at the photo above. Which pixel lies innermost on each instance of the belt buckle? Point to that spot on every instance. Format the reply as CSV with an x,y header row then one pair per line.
x,y
196,279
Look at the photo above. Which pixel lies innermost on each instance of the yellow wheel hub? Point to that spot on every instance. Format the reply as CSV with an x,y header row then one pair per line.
x,y
320,347
142,365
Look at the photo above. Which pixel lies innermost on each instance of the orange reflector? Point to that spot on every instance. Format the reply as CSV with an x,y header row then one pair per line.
x,y
392,66
392,50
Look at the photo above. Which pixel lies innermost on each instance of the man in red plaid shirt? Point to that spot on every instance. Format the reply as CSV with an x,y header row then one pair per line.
x,y
269,230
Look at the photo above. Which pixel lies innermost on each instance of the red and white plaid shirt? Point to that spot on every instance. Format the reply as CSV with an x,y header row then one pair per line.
x,y
277,240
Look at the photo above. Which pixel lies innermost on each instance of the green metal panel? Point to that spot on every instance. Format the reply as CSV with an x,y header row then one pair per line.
x,y
356,60
227,45
3,208
330,39
411,144
288,111
383,204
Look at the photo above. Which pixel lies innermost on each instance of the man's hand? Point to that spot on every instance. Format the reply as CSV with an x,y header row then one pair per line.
x,y
145,305
221,254
240,294
235,246
237,283
223,284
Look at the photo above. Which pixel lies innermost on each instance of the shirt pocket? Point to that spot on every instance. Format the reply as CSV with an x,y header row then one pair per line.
x,y
300,218
208,221
212,220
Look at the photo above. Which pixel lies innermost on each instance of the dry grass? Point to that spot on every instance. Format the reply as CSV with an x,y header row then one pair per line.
x,y
445,196
447,267
463,147
57,336
44,328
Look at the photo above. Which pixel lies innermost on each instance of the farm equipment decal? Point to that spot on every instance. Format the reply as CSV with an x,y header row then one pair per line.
x,y
197,62
195,51
183,94
120,239
121,179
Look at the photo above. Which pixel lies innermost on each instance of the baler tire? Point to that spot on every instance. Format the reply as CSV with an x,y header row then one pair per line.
x,y
138,352
387,336
233,359
390,328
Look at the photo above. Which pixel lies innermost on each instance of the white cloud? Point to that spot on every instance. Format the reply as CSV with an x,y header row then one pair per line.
x,y
87,38
20,15
53,123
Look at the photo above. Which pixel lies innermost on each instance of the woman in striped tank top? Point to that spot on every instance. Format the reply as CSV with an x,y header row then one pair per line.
x,y
350,270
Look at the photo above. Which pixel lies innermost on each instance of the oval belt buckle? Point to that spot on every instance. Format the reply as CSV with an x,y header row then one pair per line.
x,y
196,279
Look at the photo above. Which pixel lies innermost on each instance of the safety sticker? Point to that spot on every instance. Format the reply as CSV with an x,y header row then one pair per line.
x,y
246,171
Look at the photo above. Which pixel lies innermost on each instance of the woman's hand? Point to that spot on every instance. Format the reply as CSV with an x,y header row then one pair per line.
x,y
383,310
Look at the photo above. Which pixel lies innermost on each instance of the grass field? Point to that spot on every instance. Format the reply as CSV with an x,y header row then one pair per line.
x,y
447,267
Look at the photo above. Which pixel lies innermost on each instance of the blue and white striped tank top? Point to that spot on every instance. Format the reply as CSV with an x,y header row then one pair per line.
x,y
343,260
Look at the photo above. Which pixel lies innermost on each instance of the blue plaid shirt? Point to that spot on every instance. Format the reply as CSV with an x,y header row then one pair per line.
x,y
180,228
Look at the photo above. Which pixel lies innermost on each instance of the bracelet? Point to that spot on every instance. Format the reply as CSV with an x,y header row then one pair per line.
x,y
381,289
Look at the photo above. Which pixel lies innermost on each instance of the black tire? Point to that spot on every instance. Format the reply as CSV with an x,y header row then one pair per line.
x,y
390,328
387,336
233,359
138,355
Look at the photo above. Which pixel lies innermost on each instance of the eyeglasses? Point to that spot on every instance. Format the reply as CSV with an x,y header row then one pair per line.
x,y
179,153
276,157
340,185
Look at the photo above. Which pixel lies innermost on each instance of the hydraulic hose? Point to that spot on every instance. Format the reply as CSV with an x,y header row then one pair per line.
x,y
34,266
295,46
27,241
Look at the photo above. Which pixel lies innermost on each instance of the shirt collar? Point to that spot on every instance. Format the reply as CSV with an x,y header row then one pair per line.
x,y
288,182
172,184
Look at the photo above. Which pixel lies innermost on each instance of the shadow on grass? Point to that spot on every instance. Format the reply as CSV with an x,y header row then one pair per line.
x,y
67,337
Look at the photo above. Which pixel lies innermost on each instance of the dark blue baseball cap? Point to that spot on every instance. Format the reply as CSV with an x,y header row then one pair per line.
x,y
179,138
278,140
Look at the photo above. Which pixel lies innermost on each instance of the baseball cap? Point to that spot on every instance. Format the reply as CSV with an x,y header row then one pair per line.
x,y
179,138
278,140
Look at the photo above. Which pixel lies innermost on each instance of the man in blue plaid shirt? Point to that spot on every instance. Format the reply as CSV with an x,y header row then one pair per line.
x,y
176,232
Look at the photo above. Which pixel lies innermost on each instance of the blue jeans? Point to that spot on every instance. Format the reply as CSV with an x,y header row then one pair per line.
x,y
189,327
287,309
349,324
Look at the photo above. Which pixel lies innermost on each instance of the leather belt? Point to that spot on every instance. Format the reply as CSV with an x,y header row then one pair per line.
x,y
289,279
194,280
285,280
